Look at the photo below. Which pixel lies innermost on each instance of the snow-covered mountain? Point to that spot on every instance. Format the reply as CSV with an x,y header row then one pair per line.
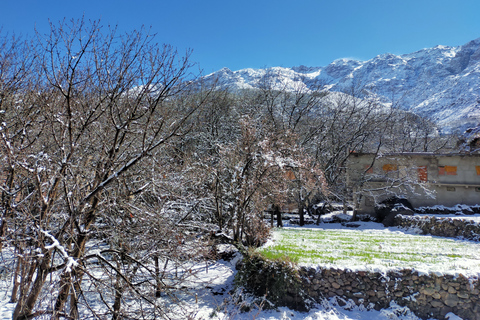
x,y
442,83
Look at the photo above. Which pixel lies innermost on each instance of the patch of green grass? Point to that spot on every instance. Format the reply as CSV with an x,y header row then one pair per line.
x,y
282,253
371,247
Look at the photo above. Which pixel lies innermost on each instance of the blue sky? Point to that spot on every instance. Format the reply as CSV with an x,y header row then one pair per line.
x,y
257,34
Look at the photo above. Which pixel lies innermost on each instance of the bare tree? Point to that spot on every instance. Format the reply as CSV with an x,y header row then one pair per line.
x,y
76,138
290,111
409,132
17,81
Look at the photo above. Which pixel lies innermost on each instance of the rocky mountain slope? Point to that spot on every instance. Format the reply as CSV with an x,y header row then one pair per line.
x,y
442,83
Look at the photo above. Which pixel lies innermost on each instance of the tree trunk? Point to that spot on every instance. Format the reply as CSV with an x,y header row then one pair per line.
x,y
158,287
356,204
321,211
78,252
301,213
3,230
25,306
354,215
7,213
236,224
64,292
16,283
117,304
218,205
278,213
74,299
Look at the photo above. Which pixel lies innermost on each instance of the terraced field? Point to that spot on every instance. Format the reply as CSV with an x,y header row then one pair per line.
x,y
380,249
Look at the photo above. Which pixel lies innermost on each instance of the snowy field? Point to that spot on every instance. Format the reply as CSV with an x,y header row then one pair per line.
x,y
371,247
213,301
211,295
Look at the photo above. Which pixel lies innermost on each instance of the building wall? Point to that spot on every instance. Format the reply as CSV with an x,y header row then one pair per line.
x,y
425,179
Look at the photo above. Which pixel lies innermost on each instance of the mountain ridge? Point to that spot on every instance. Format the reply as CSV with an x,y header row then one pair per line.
x,y
441,83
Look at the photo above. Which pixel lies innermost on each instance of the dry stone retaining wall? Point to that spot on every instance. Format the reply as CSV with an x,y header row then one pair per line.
x,y
441,226
426,295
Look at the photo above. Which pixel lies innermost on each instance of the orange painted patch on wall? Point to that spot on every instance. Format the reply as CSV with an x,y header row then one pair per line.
x,y
389,167
451,170
441,171
422,174
447,170
478,170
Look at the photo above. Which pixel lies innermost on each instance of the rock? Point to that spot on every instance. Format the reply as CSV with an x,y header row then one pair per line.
x,y
444,294
341,302
428,291
371,293
457,223
467,306
421,297
390,217
452,300
437,304
351,225
445,310
436,295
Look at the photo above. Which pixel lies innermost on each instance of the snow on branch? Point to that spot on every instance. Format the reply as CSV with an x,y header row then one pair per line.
x,y
69,261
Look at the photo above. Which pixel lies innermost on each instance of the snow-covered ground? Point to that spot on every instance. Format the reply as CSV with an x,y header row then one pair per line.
x,y
211,296
371,247
214,301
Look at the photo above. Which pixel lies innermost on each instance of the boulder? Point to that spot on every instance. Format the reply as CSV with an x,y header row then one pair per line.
x,y
392,204
389,220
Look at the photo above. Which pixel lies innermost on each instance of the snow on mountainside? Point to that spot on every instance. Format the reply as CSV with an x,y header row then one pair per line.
x,y
442,83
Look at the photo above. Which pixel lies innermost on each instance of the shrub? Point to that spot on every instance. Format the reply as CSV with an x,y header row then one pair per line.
x,y
277,279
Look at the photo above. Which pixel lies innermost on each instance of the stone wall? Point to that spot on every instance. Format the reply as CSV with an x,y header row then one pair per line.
x,y
441,226
426,295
